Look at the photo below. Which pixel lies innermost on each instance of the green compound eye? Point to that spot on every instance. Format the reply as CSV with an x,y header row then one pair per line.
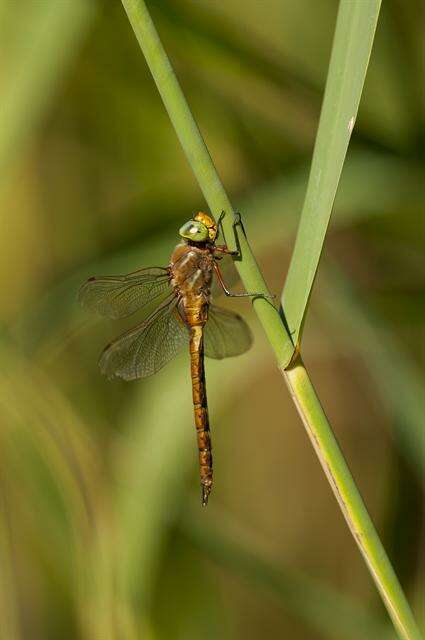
x,y
194,231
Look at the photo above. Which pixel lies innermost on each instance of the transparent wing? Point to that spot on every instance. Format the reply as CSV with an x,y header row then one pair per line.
x,y
226,334
121,296
144,350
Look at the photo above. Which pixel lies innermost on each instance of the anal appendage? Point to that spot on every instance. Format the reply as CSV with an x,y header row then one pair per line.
x,y
205,492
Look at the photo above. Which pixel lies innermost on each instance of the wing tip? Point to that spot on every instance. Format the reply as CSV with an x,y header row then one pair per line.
x,y
110,372
82,290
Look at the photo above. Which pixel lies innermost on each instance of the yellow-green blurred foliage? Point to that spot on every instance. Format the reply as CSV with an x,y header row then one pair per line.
x,y
101,533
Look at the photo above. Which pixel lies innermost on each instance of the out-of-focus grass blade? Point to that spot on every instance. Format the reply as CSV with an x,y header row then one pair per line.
x,y
36,418
10,626
255,81
394,374
354,33
324,609
150,465
281,72
372,185
46,36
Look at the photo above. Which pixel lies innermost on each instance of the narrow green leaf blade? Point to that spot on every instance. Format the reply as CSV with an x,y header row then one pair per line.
x,y
352,45
52,31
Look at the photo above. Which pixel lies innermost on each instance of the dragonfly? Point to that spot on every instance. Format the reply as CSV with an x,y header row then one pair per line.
x,y
184,315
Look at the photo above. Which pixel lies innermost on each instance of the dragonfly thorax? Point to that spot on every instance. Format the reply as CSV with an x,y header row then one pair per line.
x,y
191,269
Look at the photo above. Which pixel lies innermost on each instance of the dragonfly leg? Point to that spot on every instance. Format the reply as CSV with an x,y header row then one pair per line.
x,y
220,218
237,295
237,222
222,248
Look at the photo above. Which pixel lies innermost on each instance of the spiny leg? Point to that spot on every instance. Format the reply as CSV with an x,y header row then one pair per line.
x,y
237,254
229,294
237,222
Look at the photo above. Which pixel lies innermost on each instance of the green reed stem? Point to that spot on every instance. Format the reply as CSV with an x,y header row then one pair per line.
x,y
349,499
296,376
204,170
321,607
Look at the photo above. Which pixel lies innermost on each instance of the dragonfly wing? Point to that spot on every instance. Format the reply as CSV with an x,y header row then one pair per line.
x,y
226,334
144,350
121,296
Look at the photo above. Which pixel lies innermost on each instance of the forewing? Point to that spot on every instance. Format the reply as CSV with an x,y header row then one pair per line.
x,y
226,334
121,296
144,350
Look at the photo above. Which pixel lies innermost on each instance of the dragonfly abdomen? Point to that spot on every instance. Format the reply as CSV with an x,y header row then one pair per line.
x,y
200,405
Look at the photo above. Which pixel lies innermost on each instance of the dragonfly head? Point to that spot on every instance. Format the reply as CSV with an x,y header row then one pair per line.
x,y
203,228
194,231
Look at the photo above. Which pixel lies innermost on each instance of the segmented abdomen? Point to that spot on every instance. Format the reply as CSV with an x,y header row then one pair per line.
x,y
199,394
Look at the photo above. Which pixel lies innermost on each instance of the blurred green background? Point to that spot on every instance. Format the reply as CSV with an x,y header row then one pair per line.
x,y
101,532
